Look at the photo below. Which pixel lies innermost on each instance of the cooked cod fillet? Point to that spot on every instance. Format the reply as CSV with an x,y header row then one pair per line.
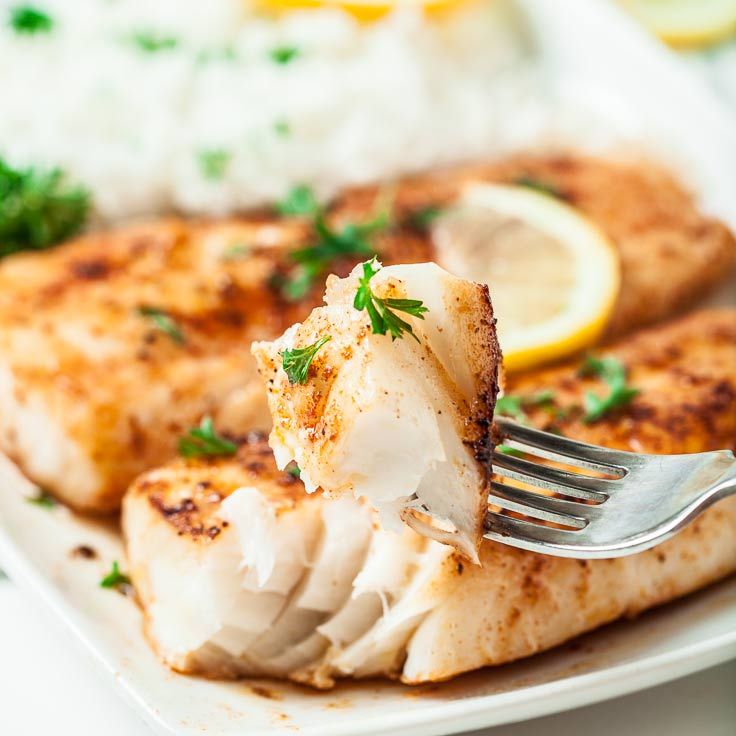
x,y
92,392
403,423
223,552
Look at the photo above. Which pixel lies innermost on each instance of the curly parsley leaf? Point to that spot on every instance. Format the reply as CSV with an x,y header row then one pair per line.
x,y
613,373
382,312
203,441
423,218
43,499
539,185
513,405
28,20
152,42
296,361
283,54
294,470
298,202
162,321
115,578
328,244
38,208
213,163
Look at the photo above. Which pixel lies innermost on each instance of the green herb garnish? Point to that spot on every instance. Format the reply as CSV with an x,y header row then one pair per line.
x,y
296,361
115,578
203,441
328,244
539,185
423,218
299,201
294,470
213,163
383,318
282,128
512,405
38,208
26,19
612,372
235,252
283,54
42,498
162,321
508,450
152,42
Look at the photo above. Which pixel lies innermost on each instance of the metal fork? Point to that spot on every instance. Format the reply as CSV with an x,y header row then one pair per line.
x,y
640,501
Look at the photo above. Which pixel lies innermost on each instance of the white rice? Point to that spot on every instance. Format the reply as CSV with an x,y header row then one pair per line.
x,y
359,102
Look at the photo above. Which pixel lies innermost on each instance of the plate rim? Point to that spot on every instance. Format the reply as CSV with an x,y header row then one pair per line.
x,y
482,711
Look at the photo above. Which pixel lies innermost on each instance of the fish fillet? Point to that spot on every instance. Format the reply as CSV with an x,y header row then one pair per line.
x,y
403,423
204,537
92,392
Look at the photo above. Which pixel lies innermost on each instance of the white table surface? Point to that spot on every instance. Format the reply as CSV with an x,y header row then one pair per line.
x,y
49,685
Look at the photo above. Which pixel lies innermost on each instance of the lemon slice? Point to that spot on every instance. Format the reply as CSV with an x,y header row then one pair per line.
x,y
686,23
365,10
553,275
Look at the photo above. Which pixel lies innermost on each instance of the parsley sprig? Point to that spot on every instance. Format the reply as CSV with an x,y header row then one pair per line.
x,y
539,185
25,19
203,441
38,208
151,42
613,373
381,311
296,361
164,322
115,578
328,244
43,499
513,405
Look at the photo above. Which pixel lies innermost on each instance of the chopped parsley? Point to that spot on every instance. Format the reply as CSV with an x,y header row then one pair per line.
x,y
115,579
296,361
423,218
152,42
282,128
213,163
26,19
513,405
294,470
162,321
236,252
298,202
283,54
539,185
203,441
328,244
508,450
42,498
381,311
38,208
613,373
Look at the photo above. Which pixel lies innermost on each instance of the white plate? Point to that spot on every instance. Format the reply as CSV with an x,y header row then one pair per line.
x,y
700,631
35,549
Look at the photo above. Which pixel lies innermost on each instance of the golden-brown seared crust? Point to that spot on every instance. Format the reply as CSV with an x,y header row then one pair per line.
x,y
686,374
122,392
187,493
671,253
517,602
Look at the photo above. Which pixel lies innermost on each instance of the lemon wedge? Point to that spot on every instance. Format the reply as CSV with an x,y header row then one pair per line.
x,y
553,275
686,23
365,10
